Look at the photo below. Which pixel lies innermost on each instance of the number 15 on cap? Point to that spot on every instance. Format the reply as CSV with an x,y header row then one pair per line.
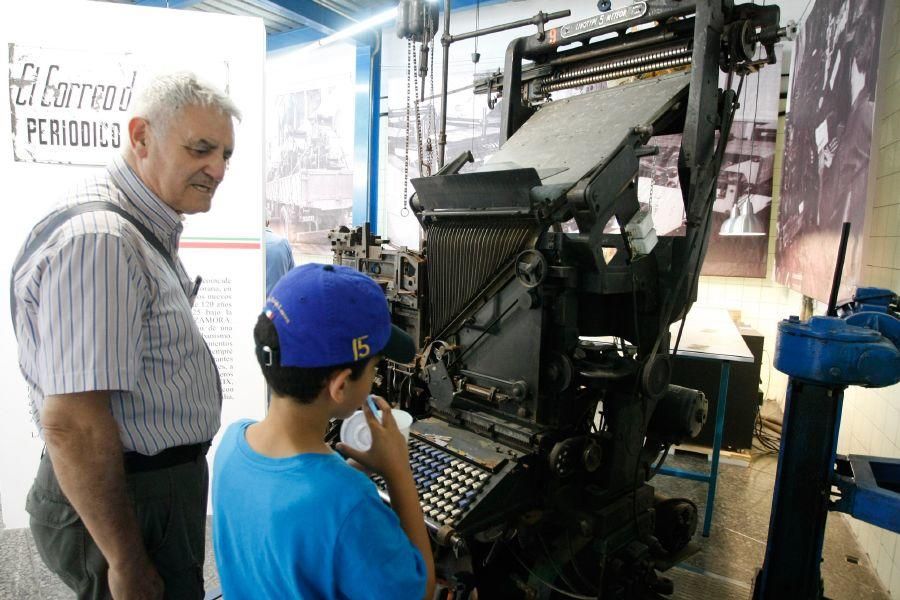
x,y
360,348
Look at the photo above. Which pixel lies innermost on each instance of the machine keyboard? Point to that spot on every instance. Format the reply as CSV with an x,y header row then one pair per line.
x,y
447,484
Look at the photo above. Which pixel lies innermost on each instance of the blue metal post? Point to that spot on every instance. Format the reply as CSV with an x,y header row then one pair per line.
x,y
365,145
717,445
374,131
800,500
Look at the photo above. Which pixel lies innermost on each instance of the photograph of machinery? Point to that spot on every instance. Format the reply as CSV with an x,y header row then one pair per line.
x,y
309,180
827,146
744,188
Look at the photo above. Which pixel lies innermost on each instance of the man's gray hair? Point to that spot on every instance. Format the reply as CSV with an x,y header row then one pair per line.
x,y
163,96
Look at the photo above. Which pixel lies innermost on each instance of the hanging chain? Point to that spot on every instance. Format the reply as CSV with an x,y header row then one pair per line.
x,y
419,144
405,210
431,82
430,128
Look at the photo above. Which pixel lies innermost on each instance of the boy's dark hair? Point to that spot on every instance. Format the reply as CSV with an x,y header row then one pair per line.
x,y
301,384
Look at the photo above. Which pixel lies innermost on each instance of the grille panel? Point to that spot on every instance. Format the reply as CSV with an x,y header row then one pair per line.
x,y
463,258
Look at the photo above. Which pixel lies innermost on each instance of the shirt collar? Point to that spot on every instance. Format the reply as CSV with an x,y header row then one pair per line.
x,y
149,208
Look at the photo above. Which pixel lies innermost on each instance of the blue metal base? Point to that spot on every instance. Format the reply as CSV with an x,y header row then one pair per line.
x,y
870,490
822,357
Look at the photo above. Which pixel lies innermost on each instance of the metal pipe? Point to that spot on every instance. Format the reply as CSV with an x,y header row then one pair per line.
x,y
485,393
638,42
479,213
539,18
838,271
447,39
445,73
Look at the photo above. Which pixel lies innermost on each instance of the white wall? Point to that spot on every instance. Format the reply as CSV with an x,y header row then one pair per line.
x,y
871,419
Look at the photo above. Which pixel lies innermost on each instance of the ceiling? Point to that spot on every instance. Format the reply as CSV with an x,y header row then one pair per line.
x,y
281,16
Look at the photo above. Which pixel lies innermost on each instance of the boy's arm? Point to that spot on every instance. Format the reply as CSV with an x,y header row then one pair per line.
x,y
389,456
405,502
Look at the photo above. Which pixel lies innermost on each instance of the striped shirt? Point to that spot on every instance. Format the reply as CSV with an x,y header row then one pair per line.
x,y
99,309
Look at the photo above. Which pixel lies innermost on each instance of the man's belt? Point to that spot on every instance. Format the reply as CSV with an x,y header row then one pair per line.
x,y
170,457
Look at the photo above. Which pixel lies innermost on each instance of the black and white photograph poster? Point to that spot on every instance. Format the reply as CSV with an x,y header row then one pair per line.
x,y
827,146
739,236
309,146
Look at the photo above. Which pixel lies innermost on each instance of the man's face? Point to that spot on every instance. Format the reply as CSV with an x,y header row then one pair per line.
x,y
186,161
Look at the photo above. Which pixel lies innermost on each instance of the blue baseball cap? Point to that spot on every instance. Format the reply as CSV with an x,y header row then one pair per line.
x,y
328,315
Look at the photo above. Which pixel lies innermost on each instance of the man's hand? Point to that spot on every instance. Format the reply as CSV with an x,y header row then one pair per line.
x,y
135,582
83,442
389,454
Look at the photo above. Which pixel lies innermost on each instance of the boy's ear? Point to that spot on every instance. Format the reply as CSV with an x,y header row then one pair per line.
x,y
337,384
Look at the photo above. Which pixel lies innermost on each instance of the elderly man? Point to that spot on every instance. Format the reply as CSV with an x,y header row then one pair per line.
x,y
124,390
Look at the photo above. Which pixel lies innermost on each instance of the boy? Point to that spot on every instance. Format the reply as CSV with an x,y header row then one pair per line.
x,y
291,519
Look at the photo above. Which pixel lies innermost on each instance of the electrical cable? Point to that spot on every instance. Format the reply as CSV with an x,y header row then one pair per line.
x,y
546,583
553,562
770,443
662,459
805,8
574,563
718,156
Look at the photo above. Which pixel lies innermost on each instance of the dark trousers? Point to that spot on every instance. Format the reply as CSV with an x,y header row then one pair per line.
x,y
170,505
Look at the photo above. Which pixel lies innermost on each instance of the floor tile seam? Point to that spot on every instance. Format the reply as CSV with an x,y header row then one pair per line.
x,y
712,575
856,582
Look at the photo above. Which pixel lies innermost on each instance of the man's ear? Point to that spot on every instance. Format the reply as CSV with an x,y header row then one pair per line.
x,y
139,135
337,385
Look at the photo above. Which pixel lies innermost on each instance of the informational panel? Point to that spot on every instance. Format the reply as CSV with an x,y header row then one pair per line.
x,y
827,146
70,91
309,145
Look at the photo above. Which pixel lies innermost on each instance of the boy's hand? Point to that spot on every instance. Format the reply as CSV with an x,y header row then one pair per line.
x,y
389,454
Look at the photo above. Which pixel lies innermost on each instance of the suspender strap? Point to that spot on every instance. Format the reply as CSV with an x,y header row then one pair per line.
x,y
60,218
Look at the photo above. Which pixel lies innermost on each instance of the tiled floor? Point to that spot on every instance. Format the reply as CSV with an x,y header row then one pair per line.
x,y
727,562
722,570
